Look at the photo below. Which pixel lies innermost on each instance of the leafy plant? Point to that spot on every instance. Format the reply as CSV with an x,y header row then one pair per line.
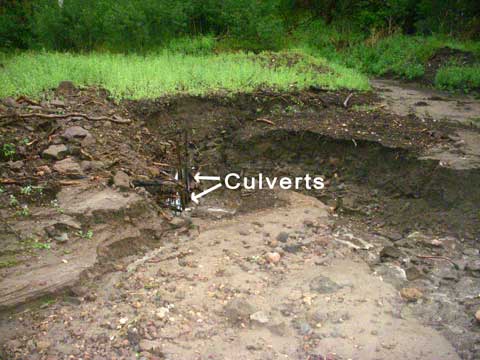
x,y
24,211
13,201
85,234
8,150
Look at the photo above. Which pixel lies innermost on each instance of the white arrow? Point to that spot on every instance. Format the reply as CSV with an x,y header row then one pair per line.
x,y
199,177
203,193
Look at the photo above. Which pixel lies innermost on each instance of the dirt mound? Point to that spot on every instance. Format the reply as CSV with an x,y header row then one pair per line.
x,y
445,56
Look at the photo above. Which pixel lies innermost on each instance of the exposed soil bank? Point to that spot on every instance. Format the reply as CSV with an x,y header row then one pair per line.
x,y
245,274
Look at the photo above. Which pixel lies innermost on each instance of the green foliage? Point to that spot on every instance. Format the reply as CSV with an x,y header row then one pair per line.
x,y
88,235
398,55
154,75
464,78
8,150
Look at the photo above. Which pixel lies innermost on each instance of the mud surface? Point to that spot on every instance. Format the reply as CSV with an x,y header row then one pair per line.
x,y
383,263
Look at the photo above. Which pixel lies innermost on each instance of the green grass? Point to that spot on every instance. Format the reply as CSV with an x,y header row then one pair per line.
x,y
458,78
168,72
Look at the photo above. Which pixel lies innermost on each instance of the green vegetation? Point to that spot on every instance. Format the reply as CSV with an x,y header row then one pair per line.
x,y
184,46
88,235
458,77
150,76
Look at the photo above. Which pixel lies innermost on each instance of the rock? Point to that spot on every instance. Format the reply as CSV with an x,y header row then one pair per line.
x,y
244,232
177,222
123,321
413,273
259,317
151,346
57,103
305,328
91,165
323,285
56,152
308,223
15,165
121,180
62,238
473,265
283,236
238,310
42,345
43,170
411,294
65,88
390,253
75,132
68,167
477,315
391,273
162,313
273,257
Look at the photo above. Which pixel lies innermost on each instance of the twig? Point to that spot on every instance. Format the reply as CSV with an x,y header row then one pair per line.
x,y
345,103
432,257
27,100
64,116
266,121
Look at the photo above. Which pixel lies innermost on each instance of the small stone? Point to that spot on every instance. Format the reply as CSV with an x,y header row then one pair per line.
x,y
273,257
238,310
473,265
68,167
411,294
15,165
259,317
413,273
162,313
305,328
389,253
57,102
177,222
283,236
57,152
62,238
91,165
43,170
323,285
151,346
123,321
121,180
75,132
308,223
42,345
244,232
477,315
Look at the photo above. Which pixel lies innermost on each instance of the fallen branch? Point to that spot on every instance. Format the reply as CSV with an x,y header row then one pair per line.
x,y
266,121
27,100
64,116
432,257
345,103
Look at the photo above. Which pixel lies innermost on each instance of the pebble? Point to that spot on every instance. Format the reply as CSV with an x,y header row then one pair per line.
x,y
477,315
238,310
162,313
283,236
273,257
55,151
259,317
121,180
411,294
42,345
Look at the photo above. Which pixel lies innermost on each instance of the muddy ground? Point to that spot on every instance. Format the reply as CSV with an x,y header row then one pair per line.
x,y
381,264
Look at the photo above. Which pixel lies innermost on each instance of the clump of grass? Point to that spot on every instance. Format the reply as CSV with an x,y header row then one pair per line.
x,y
454,77
154,75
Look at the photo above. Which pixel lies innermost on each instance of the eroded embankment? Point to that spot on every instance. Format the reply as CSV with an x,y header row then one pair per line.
x,y
408,217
